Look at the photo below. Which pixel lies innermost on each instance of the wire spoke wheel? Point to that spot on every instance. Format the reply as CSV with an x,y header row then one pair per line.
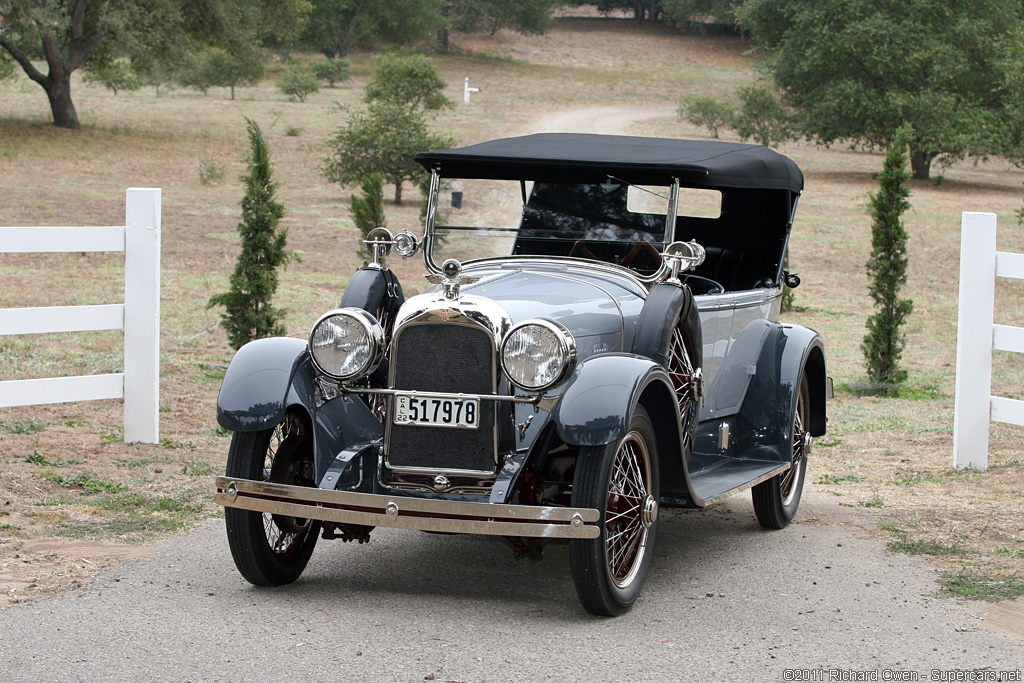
x,y
686,381
621,481
777,499
271,549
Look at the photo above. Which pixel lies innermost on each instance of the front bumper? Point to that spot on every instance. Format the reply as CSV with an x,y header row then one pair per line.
x,y
398,512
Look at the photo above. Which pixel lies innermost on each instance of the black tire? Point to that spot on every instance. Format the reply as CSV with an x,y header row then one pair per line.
x,y
777,499
609,571
270,550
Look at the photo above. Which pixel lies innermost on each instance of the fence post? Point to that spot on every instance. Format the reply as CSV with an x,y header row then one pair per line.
x,y
142,316
974,340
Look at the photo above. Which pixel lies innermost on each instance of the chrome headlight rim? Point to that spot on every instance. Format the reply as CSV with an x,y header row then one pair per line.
x,y
566,347
374,336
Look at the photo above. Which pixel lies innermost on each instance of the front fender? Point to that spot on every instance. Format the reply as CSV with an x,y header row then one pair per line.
x,y
252,395
599,399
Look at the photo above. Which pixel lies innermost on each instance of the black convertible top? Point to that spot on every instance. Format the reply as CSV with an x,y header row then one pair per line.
x,y
588,158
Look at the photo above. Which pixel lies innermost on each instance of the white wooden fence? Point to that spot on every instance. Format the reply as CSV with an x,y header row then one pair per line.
x,y
977,337
138,316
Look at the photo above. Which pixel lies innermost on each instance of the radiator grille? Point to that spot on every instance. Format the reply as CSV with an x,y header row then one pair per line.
x,y
444,358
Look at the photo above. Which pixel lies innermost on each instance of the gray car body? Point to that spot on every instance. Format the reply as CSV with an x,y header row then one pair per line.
x,y
753,367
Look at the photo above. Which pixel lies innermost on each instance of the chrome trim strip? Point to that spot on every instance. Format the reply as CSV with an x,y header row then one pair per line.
x,y
397,512
435,394
748,298
640,280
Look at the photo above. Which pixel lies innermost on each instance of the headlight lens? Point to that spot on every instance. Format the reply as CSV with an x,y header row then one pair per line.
x,y
537,354
346,343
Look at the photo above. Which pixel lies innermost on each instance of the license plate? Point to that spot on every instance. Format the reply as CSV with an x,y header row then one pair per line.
x,y
432,411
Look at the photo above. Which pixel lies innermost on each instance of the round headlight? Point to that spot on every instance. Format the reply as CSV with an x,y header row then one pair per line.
x,y
347,343
537,354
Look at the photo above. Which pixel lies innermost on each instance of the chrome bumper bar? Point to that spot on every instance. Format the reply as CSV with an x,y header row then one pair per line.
x,y
398,512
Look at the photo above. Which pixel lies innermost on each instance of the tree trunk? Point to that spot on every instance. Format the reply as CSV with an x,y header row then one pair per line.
x,y
61,106
921,164
398,192
443,42
232,91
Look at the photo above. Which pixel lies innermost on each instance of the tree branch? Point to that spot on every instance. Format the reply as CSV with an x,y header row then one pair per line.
x,y
22,59
81,47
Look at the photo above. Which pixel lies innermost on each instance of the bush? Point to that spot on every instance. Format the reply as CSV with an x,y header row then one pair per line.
x,y
761,116
706,112
211,172
883,345
368,212
248,312
333,70
298,82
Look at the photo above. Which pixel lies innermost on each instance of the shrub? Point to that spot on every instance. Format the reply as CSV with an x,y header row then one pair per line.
x,y
298,82
368,212
761,116
887,267
248,312
333,70
211,172
706,112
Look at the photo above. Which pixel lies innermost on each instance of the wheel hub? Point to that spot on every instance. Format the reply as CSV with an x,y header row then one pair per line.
x,y
649,513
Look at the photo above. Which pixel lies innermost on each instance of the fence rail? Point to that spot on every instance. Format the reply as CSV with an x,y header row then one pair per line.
x,y
978,336
138,316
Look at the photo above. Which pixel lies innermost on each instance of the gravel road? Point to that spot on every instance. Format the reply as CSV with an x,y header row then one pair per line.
x,y
726,601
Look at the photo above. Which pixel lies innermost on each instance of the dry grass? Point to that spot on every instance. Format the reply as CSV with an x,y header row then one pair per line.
x,y
65,473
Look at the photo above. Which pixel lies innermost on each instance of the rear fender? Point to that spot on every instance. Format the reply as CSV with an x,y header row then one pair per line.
x,y
766,416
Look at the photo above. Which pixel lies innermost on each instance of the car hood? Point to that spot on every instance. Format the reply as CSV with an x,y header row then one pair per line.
x,y
587,303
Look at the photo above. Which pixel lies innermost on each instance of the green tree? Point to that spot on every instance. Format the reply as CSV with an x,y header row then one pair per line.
x,y
696,14
219,68
411,81
69,34
761,116
368,212
115,76
298,82
332,70
855,71
249,313
522,16
887,267
706,112
335,26
381,139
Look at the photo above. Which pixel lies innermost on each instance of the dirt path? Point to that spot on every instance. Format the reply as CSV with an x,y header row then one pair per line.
x,y
608,120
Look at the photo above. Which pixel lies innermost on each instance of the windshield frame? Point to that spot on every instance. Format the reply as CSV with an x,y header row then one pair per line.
x,y
429,235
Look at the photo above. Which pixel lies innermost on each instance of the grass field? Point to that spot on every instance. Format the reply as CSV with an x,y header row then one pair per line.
x,y
65,472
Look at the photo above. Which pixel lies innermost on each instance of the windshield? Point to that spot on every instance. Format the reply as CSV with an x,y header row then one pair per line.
x,y
602,222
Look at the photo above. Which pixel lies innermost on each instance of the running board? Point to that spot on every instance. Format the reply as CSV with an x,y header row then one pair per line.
x,y
732,475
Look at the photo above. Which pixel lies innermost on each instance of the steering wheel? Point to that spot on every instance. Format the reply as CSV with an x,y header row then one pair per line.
x,y
581,249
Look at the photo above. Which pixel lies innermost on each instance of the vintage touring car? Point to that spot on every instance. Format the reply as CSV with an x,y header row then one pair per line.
x,y
600,342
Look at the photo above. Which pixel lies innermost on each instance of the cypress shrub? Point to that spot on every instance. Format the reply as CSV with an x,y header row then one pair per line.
x,y
887,267
249,313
